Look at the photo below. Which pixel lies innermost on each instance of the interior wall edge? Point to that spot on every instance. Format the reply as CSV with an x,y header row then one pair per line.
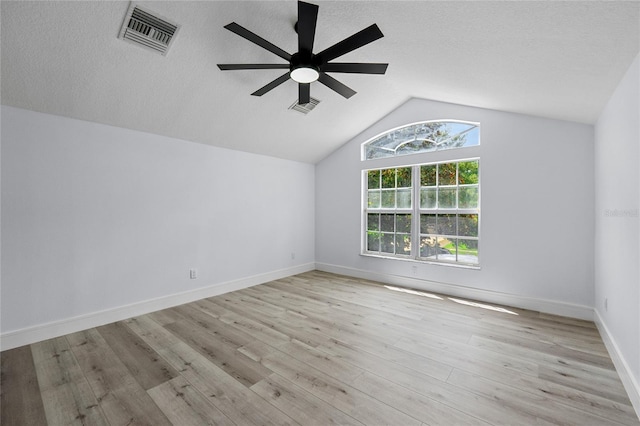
x,y
37,333
535,304
622,367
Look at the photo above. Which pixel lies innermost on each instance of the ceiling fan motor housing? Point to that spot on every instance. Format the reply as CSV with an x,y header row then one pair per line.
x,y
303,68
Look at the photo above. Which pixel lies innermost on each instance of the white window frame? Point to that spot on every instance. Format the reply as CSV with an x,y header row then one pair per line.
x,y
417,160
457,210
437,146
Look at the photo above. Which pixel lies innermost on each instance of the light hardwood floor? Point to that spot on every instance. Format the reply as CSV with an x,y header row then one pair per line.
x,y
320,349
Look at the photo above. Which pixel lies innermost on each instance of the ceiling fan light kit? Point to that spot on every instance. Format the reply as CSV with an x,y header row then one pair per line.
x,y
305,67
304,74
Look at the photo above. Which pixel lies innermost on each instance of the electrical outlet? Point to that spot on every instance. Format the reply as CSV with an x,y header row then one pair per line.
x,y
414,269
193,273
293,256
606,304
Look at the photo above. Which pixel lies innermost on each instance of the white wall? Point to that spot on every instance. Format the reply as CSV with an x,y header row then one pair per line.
x,y
536,246
96,218
617,235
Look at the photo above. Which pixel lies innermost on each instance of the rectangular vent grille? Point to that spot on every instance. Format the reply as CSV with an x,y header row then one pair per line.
x,y
148,30
305,108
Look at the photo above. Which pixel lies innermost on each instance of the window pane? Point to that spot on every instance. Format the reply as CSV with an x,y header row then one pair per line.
x,y
447,174
403,223
373,199
386,222
468,225
373,152
373,179
388,198
388,178
428,246
428,175
438,247
468,251
445,233
404,177
404,198
468,197
373,241
428,224
446,224
373,222
403,244
387,244
417,145
422,137
448,249
468,172
446,198
428,198
472,137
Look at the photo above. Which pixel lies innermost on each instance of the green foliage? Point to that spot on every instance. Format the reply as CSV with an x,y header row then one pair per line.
x,y
373,222
373,240
404,177
387,222
470,247
428,175
468,225
388,178
468,172
444,185
447,174
403,223
373,179
468,197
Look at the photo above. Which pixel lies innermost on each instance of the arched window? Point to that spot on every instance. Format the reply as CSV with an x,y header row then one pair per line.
x,y
428,211
420,137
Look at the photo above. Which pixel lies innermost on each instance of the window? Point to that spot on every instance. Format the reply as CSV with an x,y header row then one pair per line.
x,y
449,212
425,136
390,210
428,212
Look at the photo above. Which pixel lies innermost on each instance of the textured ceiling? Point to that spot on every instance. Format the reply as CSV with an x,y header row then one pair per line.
x,y
548,58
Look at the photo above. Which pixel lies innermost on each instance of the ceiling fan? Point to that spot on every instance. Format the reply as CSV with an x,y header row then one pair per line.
x,y
304,66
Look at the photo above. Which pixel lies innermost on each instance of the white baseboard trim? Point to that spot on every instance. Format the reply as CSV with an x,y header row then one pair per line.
x,y
37,333
622,367
534,304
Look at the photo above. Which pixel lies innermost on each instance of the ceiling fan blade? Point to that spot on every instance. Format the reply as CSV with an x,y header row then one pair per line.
x,y
335,85
307,19
275,83
352,67
359,39
254,38
304,93
231,67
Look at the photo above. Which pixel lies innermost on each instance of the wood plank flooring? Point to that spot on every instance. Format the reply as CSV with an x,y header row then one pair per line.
x,y
320,349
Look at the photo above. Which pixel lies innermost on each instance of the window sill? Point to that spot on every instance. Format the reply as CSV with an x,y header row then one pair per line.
x,y
412,260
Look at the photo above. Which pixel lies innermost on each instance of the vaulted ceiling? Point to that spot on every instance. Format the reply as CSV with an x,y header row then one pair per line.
x,y
546,58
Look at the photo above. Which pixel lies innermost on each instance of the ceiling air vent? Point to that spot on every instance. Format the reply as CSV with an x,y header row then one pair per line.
x,y
305,108
148,30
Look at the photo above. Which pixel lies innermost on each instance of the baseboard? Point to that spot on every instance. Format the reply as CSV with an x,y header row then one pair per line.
x,y
26,336
540,305
622,367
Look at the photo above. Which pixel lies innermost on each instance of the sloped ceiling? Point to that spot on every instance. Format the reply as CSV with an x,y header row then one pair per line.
x,y
548,58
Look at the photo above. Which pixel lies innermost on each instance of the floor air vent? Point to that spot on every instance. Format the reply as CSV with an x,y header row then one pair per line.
x,y
148,30
305,108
